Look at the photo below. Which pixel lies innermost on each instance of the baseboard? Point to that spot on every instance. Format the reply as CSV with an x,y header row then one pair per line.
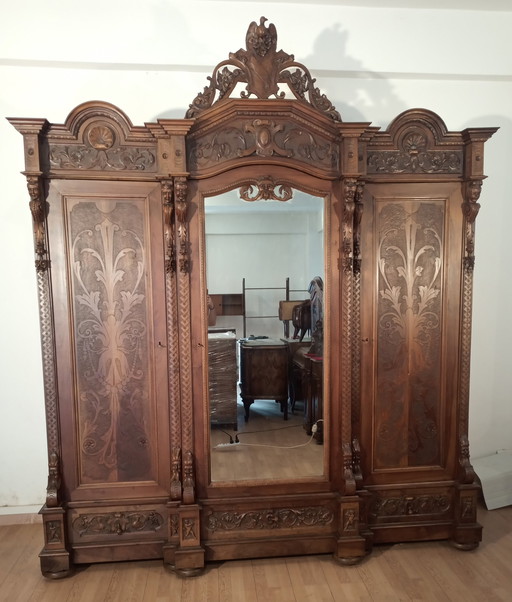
x,y
19,515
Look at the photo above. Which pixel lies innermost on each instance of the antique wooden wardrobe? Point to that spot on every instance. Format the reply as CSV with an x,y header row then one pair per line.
x,y
119,217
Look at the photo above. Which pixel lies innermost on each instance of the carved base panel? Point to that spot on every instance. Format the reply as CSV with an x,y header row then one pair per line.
x,y
421,514
275,517
351,547
54,557
117,524
279,526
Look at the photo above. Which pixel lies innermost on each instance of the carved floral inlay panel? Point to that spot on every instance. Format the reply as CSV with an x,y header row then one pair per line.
x,y
117,523
415,157
263,138
282,518
409,321
110,310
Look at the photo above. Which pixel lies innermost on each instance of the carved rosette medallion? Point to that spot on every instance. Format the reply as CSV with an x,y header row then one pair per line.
x,y
101,150
117,523
282,518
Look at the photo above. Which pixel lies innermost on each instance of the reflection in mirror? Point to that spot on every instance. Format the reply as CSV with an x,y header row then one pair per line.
x,y
264,272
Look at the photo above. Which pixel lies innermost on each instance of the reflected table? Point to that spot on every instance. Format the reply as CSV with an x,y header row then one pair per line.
x,y
264,372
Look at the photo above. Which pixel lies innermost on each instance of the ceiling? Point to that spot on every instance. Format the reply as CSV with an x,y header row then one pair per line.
x,y
486,5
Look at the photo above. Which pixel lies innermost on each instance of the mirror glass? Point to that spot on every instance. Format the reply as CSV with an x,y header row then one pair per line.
x,y
264,276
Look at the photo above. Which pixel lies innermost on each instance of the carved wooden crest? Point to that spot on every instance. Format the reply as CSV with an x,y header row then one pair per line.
x,y
262,67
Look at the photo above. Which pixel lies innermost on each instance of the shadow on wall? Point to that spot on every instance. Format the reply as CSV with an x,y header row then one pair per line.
x,y
357,93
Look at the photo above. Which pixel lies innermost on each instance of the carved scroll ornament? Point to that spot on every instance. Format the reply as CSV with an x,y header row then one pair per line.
x,y
262,67
266,189
118,523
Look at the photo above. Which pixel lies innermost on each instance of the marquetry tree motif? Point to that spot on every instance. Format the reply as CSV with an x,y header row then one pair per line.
x,y
262,68
265,189
109,280
410,256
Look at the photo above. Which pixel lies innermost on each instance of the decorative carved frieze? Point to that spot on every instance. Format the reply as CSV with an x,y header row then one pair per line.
x,y
262,68
414,155
101,150
410,505
83,157
117,523
282,518
263,138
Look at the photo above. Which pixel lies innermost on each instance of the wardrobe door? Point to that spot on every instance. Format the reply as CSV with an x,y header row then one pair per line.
x,y
110,331
411,290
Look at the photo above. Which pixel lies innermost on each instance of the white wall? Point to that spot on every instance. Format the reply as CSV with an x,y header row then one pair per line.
x,y
151,59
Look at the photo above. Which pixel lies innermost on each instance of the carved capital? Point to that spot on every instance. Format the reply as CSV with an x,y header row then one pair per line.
x,y
470,209
188,478
180,201
39,209
176,473
54,480
168,209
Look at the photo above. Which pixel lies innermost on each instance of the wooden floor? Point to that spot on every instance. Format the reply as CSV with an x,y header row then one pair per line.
x,y
270,447
432,571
